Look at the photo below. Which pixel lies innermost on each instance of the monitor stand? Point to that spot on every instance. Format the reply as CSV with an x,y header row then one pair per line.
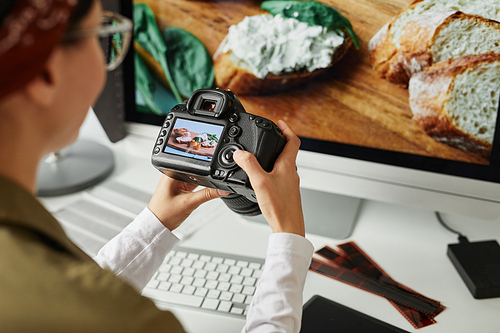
x,y
75,168
326,214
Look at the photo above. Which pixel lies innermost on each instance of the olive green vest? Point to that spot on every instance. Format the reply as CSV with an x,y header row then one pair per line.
x,y
47,284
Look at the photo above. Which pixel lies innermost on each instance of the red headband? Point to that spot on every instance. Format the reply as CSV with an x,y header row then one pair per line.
x,y
27,37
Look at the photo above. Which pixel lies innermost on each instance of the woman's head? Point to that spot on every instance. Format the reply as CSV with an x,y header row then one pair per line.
x,y
59,80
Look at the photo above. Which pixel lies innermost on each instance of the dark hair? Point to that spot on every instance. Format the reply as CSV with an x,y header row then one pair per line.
x,y
82,8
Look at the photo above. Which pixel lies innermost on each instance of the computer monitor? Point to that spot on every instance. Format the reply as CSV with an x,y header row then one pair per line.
x,y
358,137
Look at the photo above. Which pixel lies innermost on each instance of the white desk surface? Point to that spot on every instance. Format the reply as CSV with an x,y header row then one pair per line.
x,y
408,243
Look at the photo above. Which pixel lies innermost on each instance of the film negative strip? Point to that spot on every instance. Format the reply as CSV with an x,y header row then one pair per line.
x,y
351,265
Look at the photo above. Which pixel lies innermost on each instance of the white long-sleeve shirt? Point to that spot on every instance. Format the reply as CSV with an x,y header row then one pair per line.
x,y
136,253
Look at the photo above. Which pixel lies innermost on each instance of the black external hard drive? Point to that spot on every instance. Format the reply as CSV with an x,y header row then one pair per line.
x,y
478,263
324,315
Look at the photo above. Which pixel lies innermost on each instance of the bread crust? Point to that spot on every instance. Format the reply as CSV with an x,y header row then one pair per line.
x,y
429,92
417,38
383,51
243,82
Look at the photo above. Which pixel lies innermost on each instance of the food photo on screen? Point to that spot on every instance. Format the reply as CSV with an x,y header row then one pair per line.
x,y
316,65
194,139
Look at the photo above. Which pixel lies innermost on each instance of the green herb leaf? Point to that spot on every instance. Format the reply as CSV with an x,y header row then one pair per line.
x,y
147,35
146,86
191,65
311,12
212,137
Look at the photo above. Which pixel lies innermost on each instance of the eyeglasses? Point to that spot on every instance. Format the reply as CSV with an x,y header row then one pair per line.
x,y
114,34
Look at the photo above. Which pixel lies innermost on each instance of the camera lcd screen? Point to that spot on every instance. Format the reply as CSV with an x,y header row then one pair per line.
x,y
194,139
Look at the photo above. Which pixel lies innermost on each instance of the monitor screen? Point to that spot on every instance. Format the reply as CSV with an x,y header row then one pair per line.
x,y
346,110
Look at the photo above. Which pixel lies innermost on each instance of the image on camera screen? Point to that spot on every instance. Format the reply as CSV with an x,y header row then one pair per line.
x,y
194,139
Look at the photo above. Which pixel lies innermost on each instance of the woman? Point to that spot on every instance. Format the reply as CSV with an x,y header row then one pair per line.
x,y
52,68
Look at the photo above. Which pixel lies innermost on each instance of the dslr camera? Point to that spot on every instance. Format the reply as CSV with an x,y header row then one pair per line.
x,y
198,138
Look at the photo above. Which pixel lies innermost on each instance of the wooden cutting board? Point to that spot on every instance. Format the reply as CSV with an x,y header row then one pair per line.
x,y
347,104
203,151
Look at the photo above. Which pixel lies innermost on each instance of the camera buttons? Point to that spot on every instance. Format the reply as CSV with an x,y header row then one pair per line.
x,y
233,118
226,156
160,141
167,124
157,150
163,133
234,131
169,116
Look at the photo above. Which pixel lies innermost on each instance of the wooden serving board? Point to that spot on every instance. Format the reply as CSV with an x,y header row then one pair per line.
x,y
348,103
203,151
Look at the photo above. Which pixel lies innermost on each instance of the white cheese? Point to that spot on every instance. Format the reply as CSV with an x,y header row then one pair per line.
x,y
272,44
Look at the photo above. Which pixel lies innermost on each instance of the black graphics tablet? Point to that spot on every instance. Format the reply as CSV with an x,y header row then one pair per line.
x,y
323,315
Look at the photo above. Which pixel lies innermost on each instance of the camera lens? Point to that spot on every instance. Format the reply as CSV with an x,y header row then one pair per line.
x,y
241,205
208,105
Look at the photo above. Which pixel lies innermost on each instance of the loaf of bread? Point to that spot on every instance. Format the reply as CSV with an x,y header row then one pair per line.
x,y
456,101
244,78
433,28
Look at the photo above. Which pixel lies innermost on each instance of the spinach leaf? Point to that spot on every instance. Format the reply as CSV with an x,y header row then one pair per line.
x,y
145,85
311,12
191,65
147,35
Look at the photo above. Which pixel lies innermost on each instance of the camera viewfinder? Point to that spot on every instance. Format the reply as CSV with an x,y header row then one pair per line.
x,y
208,105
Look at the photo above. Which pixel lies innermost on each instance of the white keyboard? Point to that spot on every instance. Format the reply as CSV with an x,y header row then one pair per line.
x,y
217,282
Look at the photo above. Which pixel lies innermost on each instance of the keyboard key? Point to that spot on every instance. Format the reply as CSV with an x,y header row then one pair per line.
x,y
213,293
246,272
199,282
201,292
198,264
205,258
242,263
229,262
181,254
212,276
210,303
210,266
200,273
164,285
248,290
188,290
226,296
211,284
257,274
238,298
236,310
175,278
193,256
171,297
224,277
176,288
188,271
186,262
165,268
254,265
223,286
163,276
237,279
224,306
249,281
176,270
174,261
221,268
234,270
236,288
217,260
187,280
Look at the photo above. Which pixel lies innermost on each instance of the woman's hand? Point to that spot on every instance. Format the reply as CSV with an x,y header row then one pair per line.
x,y
173,200
277,192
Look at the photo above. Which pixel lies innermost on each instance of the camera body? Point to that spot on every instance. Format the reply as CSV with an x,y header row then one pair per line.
x,y
198,138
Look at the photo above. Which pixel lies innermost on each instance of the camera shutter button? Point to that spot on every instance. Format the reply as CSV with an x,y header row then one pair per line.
x,y
233,118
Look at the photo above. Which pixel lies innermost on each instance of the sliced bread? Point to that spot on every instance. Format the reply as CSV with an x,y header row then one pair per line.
x,y
386,44
456,101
